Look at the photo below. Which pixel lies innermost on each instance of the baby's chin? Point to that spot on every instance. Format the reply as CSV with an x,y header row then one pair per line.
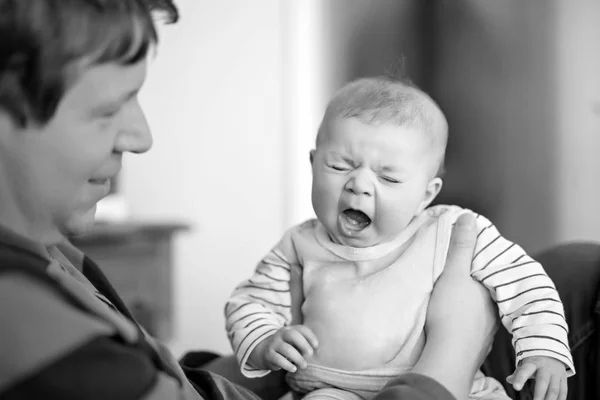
x,y
358,241
364,240
353,242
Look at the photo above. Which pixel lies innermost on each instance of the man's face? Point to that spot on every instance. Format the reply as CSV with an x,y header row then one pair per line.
x,y
370,181
59,171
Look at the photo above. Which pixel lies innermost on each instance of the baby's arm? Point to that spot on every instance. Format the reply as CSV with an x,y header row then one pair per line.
x,y
260,309
530,308
529,305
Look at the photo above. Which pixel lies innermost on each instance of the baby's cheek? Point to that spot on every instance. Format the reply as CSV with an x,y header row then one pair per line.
x,y
392,222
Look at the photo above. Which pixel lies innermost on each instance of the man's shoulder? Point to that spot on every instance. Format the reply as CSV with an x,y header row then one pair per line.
x,y
14,259
46,337
28,293
30,297
40,322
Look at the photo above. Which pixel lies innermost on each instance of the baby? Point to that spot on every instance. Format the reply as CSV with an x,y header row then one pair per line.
x,y
340,301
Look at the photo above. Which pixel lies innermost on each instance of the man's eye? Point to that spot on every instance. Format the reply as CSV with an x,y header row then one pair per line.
x,y
389,180
109,113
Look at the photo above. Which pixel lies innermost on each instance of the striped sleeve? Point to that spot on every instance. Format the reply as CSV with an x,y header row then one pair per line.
x,y
527,299
261,305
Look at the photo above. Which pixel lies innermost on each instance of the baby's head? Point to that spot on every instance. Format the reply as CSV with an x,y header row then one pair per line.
x,y
378,160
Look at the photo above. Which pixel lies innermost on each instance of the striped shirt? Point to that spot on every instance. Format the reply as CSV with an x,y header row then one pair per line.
x,y
528,303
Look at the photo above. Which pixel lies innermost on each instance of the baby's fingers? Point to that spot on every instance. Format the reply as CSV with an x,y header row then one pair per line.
x,y
296,337
564,389
523,373
309,336
554,387
278,361
542,381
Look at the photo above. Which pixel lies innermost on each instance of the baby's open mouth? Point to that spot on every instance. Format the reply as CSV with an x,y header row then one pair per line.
x,y
356,219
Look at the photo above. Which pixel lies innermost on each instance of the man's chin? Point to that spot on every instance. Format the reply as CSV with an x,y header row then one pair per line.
x,y
80,223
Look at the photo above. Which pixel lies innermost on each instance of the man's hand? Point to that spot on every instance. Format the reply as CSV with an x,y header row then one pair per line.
x,y
550,377
285,349
461,317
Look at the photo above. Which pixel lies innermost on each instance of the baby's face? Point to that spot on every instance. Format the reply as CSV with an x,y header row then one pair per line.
x,y
370,181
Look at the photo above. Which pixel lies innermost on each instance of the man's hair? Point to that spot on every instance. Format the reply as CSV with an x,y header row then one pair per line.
x,y
41,42
388,100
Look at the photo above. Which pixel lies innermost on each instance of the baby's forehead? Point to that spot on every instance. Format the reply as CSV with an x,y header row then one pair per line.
x,y
353,135
377,142
342,127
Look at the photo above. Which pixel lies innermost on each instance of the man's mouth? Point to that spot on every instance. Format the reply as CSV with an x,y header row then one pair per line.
x,y
355,220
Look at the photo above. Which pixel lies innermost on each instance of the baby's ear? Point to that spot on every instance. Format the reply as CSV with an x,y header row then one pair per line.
x,y
433,189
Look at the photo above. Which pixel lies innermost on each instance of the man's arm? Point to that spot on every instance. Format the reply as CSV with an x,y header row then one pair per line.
x,y
461,319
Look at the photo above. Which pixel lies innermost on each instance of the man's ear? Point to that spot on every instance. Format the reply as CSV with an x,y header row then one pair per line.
x,y
7,125
312,156
433,189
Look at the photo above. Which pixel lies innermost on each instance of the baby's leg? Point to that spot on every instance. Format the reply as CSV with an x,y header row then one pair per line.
x,y
325,382
492,396
487,388
270,387
331,394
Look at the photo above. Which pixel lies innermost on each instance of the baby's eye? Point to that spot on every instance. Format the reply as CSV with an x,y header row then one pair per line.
x,y
389,179
339,167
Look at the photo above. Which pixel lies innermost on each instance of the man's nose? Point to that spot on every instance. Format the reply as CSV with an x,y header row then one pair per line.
x,y
134,135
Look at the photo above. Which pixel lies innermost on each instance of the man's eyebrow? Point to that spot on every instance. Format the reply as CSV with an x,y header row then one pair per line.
x,y
119,99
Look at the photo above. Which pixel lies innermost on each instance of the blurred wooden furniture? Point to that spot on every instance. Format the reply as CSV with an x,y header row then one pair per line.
x,y
137,259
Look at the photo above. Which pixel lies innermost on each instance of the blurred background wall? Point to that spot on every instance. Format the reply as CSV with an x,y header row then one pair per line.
x,y
237,90
520,84
214,100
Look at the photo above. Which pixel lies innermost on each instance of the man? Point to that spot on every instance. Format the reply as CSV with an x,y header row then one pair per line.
x,y
70,71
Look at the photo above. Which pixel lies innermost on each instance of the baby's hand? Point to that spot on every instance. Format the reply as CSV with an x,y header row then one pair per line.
x,y
286,349
550,377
